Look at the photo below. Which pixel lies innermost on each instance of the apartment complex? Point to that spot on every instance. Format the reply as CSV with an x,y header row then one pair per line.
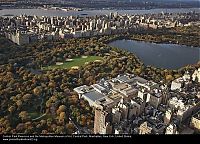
x,y
50,28
130,104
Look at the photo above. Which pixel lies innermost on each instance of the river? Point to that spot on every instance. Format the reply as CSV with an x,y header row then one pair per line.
x,y
168,56
42,12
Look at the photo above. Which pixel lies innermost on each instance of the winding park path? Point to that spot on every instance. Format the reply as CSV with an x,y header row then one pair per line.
x,y
39,117
42,100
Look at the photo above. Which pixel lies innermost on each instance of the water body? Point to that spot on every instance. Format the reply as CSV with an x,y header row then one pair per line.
x,y
168,56
50,13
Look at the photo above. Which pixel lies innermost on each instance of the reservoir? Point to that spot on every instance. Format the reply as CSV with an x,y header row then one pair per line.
x,y
167,56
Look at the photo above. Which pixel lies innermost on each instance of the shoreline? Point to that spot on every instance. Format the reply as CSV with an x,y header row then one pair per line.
x,y
129,37
106,8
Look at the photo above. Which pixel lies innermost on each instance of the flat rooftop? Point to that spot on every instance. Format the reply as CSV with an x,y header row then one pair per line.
x,y
115,96
82,89
123,78
121,86
105,101
138,100
94,95
130,90
99,87
140,80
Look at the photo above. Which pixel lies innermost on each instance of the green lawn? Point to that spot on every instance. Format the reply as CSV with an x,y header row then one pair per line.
x,y
78,61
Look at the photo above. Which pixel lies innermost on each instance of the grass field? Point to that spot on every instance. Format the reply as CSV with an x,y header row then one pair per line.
x,y
76,62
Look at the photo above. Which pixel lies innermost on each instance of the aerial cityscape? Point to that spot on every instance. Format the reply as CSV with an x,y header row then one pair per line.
x,y
97,67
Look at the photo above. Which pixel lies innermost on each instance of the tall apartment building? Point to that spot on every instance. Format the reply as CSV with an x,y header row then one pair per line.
x,y
171,129
168,116
102,122
155,99
18,37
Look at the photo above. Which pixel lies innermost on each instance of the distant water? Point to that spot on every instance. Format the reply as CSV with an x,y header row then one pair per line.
x,y
41,12
168,56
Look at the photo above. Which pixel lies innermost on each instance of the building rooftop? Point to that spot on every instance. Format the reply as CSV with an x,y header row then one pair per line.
x,y
122,78
178,80
158,95
140,80
94,95
100,88
105,101
138,100
82,89
121,86
115,96
128,91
